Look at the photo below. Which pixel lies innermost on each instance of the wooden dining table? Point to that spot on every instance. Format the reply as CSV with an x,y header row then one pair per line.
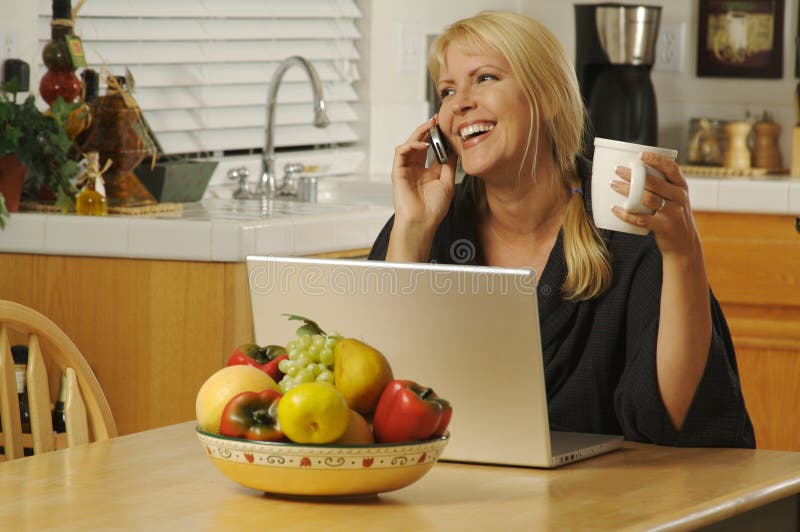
x,y
161,479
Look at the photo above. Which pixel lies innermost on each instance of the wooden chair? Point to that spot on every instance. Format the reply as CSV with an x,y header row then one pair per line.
x,y
87,414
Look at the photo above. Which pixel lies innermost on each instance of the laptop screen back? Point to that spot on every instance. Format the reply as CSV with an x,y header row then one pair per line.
x,y
470,333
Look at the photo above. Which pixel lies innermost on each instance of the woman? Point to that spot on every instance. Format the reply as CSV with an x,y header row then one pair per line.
x,y
633,341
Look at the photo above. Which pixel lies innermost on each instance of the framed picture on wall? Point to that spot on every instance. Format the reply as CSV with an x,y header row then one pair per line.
x,y
740,39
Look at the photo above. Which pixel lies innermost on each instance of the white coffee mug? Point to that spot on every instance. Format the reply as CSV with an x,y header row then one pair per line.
x,y
608,155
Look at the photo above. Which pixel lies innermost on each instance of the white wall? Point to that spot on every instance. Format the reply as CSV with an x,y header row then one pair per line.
x,y
398,101
18,32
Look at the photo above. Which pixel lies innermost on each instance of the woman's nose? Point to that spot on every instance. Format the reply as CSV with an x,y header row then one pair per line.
x,y
462,101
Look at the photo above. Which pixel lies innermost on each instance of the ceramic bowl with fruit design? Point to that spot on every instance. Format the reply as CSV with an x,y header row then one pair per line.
x,y
321,470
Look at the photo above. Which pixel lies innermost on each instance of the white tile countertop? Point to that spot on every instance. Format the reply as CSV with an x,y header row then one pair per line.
x,y
211,230
771,194
348,215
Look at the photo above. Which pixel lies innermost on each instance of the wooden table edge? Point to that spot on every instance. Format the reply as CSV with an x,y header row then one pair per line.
x,y
724,508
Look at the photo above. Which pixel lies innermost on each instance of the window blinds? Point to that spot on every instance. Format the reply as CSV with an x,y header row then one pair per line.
x,y
202,68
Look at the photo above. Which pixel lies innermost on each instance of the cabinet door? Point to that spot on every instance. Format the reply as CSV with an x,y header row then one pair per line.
x,y
151,330
753,264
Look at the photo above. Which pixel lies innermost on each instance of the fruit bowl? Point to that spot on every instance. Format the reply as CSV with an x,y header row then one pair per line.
x,y
321,470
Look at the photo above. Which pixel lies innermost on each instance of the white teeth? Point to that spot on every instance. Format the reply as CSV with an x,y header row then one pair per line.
x,y
472,129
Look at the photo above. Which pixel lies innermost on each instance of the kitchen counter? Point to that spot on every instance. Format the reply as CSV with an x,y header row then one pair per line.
x,y
211,230
349,215
772,194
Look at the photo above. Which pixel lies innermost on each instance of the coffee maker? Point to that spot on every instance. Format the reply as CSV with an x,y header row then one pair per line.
x,y
615,51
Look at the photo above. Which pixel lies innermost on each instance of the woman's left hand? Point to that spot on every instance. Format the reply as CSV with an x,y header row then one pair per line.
x,y
671,220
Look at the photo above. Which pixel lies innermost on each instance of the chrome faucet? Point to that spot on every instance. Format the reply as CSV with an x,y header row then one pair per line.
x,y
267,185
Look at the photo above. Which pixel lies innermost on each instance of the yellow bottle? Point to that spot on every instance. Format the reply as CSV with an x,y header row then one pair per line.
x,y
90,201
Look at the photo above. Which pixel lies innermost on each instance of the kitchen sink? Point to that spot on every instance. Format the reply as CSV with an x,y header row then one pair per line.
x,y
348,191
335,195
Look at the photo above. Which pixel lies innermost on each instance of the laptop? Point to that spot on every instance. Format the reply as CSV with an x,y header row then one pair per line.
x,y
470,333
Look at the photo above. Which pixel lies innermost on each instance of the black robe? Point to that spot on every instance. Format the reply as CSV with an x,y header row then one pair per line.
x,y
600,354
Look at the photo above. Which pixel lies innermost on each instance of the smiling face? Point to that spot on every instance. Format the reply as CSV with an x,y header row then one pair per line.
x,y
485,113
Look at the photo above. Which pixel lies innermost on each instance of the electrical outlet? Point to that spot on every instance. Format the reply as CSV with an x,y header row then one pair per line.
x,y
410,52
670,47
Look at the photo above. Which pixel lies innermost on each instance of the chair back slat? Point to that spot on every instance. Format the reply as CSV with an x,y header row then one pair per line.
x,y
9,401
75,412
87,414
39,398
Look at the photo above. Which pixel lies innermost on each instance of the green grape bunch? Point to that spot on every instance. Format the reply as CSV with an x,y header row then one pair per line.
x,y
310,356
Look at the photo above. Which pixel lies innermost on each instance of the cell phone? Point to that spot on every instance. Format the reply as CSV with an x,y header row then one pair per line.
x,y
440,147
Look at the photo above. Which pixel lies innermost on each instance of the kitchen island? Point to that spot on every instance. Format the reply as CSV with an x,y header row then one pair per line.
x,y
157,304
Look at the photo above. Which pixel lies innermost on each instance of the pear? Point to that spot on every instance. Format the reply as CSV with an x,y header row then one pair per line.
x,y
361,373
358,431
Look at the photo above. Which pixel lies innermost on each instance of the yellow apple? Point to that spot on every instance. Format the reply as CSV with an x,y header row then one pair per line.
x,y
313,412
358,431
360,374
220,388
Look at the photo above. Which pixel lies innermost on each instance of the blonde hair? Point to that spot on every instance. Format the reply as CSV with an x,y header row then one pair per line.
x,y
548,80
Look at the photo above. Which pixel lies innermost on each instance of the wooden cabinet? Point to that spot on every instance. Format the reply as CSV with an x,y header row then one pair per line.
x,y
152,330
753,264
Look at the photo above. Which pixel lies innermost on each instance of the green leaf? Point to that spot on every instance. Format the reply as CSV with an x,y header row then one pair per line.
x,y
308,327
12,85
9,140
65,201
273,351
61,110
7,113
41,143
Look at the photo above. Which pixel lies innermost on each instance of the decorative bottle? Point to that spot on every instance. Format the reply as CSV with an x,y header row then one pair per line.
x,y
114,135
20,356
90,80
60,78
91,201
59,419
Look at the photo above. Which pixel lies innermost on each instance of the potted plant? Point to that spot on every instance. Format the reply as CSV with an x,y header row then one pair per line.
x,y
40,142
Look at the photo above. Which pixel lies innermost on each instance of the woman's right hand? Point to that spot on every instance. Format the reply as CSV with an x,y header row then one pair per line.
x,y
421,195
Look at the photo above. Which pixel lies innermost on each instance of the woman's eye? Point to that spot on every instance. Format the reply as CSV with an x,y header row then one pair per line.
x,y
444,93
486,77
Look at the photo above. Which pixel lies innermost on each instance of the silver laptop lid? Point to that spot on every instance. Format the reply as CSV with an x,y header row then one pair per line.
x,y
470,333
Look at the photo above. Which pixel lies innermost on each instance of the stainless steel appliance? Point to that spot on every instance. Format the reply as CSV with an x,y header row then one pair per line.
x,y
615,51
